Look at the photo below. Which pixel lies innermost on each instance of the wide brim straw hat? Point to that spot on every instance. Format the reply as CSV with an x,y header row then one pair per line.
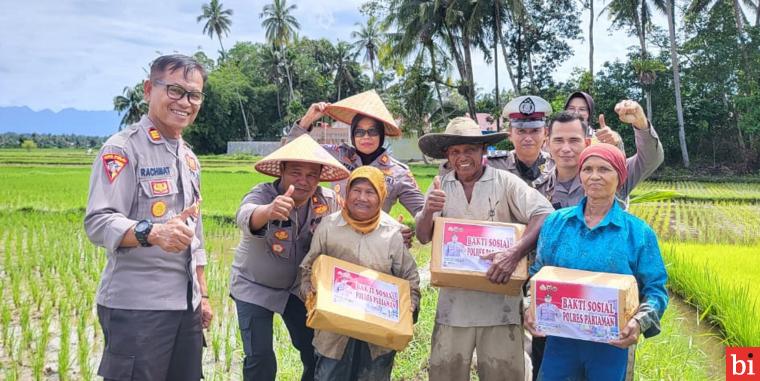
x,y
303,149
367,103
460,130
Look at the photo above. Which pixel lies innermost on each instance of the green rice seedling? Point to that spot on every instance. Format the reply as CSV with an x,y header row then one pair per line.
x,y
719,280
229,346
26,328
35,291
65,340
11,372
672,354
83,350
5,319
38,365
16,289
216,344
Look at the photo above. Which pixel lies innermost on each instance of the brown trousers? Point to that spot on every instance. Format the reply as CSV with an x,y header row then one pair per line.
x,y
499,349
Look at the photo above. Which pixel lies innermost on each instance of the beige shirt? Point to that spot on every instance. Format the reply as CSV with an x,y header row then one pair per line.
x,y
382,250
497,196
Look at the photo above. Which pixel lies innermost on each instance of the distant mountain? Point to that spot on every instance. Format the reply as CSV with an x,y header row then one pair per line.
x,y
66,121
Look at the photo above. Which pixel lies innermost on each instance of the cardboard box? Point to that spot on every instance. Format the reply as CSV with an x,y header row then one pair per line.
x,y
455,260
355,301
584,305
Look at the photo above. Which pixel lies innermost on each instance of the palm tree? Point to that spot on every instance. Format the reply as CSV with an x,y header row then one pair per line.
x,y
270,59
342,66
369,37
635,14
217,21
132,104
417,32
590,5
280,25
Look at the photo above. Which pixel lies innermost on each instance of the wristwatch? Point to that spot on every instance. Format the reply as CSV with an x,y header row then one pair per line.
x,y
142,230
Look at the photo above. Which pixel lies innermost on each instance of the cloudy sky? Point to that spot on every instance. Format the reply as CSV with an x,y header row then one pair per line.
x,y
57,54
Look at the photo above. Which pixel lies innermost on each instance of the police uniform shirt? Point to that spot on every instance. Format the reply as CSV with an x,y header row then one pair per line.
x,y
649,155
398,177
139,175
265,269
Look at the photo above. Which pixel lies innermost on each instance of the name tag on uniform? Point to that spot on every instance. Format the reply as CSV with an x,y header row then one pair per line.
x,y
154,171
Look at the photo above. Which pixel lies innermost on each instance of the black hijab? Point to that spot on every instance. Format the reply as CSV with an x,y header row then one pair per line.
x,y
368,158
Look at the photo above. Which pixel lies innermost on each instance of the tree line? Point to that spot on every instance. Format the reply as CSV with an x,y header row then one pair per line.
x,y
697,75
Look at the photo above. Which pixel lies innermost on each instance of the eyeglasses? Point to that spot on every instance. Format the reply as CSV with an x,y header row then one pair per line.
x,y
372,132
177,92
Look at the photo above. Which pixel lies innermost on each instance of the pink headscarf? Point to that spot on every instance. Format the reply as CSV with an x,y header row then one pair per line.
x,y
610,154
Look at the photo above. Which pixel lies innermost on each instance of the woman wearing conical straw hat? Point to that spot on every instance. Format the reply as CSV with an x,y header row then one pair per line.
x,y
277,221
370,123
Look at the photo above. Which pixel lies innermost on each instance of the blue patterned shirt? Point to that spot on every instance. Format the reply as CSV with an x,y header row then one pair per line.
x,y
621,244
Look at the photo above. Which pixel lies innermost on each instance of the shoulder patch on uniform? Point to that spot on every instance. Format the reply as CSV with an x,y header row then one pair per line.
x,y
154,134
113,164
191,163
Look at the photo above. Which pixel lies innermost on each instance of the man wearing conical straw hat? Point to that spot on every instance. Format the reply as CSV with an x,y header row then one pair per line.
x,y
370,123
473,320
277,221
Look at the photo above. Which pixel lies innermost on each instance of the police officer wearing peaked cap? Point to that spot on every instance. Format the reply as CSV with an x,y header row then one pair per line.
x,y
527,117
143,209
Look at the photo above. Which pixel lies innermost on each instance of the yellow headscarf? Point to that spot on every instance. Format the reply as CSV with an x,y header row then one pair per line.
x,y
377,179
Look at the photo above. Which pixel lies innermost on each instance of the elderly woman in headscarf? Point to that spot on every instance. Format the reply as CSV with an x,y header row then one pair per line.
x,y
363,234
370,123
598,235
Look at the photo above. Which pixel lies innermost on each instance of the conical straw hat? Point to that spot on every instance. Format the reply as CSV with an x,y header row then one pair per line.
x,y
367,103
303,149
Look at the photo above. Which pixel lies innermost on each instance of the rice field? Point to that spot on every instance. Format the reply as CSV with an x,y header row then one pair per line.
x,y
49,272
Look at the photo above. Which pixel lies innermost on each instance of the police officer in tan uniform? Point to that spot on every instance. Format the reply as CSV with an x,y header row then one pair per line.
x,y
143,209
277,221
527,131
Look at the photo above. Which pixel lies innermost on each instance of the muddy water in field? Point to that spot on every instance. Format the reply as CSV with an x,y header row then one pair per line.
x,y
706,338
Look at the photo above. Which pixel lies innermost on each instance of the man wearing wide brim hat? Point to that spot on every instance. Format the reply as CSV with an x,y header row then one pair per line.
x,y
370,123
469,320
526,125
277,221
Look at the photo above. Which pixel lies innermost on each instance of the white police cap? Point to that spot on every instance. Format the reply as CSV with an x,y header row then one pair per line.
x,y
527,111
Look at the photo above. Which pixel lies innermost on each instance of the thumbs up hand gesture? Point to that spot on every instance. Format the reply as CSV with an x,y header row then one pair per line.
x,y
174,236
436,199
605,134
281,206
